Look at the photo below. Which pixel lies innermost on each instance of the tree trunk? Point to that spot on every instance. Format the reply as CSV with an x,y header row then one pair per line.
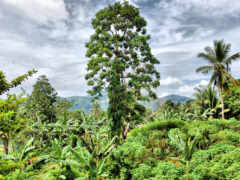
x,y
222,102
125,131
223,116
5,144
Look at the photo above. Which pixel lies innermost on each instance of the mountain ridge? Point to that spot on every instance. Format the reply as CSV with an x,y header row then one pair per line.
x,y
85,103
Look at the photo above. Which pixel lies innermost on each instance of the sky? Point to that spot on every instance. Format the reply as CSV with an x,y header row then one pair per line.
x,y
50,36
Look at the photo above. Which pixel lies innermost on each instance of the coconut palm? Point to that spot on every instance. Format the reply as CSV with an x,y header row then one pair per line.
x,y
206,98
219,62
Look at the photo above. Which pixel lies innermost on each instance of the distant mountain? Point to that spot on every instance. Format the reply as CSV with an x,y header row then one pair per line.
x,y
176,98
80,102
155,104
84,102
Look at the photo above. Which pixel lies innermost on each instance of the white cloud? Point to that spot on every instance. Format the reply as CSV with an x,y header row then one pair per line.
x,y
203,83
34,34
186,90
170,81
163,95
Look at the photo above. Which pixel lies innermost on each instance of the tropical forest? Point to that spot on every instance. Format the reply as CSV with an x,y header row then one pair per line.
x,y
122,129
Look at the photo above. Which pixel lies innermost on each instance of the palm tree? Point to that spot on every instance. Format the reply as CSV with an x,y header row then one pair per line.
x,y
219,62
206,98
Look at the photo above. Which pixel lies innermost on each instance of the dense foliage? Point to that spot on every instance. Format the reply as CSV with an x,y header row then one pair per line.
x,y
219,64
42,139
41,101
121,63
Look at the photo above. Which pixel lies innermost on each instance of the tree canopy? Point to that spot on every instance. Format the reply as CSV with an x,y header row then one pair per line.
x,y
41,101
121,62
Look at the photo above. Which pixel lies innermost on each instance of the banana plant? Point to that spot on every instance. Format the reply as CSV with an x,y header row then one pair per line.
x,y
22,160
21,156
59,157
61,153
185,147
89,162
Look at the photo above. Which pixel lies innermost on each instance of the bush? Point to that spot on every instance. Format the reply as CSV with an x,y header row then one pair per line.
x,y
167,170
156,125
219,160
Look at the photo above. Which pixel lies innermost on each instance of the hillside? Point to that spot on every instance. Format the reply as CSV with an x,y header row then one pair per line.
x,y
84,102
176,98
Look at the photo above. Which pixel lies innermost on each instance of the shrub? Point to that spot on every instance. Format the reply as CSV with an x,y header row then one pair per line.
x,y
156,125
219,160
167,170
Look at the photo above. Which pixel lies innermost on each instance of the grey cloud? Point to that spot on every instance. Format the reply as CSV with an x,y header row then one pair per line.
x,y
179,30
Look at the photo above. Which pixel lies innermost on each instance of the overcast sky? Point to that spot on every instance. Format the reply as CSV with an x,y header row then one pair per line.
x,y
49,35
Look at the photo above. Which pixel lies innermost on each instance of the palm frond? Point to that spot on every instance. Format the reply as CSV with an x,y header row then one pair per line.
x,y
232,58
204,69
208,57
210,51
221,50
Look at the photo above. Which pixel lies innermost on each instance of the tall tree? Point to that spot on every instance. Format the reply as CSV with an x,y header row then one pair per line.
x,y
121,61
6,86
42,100
219,62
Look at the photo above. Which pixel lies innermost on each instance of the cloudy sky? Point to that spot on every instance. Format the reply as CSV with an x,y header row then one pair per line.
x,y
49,35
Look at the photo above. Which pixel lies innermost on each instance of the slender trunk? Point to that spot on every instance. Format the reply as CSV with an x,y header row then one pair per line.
x,y
5,144
228,67
187,169
222,102
223,116
125,131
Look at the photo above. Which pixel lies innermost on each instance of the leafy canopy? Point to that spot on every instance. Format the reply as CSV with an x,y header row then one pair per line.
x,y
121,62
42,100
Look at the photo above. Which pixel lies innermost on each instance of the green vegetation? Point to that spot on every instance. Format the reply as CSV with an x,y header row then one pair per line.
x,y
41,102
6,86
220,65
121,63
190,139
